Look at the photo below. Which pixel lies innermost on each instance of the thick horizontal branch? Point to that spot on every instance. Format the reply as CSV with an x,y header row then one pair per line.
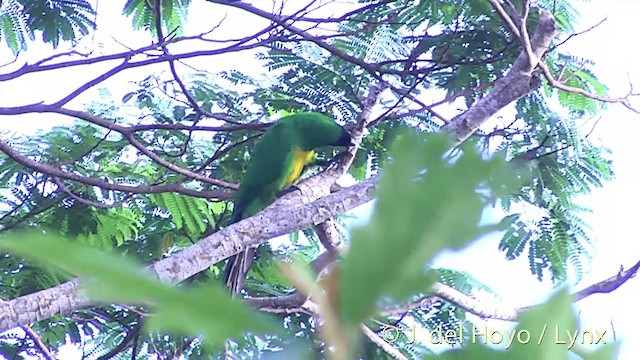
x,y
268,224
274,221
296,210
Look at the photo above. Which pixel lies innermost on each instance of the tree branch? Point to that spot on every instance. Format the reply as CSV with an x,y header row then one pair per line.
x,y
329,236
535,57
175,168
240,44
129,64
519,81
610,284
475,307
382,344
132,189
82,200
276,220
133,332
282,21
286,303
44,349
293,211
268,224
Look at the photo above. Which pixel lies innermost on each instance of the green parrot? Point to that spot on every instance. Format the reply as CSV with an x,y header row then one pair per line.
x,y
278,160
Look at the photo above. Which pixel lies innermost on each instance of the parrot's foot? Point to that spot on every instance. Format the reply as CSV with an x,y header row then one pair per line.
x,y
335,188
288,190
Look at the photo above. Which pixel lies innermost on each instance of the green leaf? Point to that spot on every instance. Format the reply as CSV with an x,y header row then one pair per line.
x,y
606,352
548,325
107,277
541,334
427,202
173,14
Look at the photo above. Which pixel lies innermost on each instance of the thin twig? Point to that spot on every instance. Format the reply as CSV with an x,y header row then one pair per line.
x,y
382,344
579,33
82,200
133,189
44,349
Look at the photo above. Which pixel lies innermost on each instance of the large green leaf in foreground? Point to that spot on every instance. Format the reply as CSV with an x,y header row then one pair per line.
x,y
208,311
541,334
428,200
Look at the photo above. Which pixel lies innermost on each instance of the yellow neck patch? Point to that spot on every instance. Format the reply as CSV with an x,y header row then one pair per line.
x,y
300,159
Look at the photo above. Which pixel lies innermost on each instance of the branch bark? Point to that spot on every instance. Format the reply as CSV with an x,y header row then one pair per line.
x,y
44,349
132,189
519,81
268,224
289,303
284,216
383,344
312,205
610,284
288,213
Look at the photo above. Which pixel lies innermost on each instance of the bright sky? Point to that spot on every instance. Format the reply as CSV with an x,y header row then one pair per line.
x,y
610,45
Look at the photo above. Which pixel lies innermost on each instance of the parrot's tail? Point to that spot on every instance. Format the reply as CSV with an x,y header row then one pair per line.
x,y
237,270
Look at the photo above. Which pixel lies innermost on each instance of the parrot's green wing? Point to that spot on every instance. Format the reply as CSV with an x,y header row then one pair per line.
x,y
267,174
276,163
271,164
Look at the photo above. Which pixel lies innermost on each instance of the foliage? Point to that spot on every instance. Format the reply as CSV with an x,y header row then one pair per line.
x,y
424,221
566,165
554,314
427,51
68,20
473,181
204,311
55,20
173,14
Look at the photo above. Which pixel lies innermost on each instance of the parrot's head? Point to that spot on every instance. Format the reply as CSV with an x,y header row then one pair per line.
x,y
316,130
